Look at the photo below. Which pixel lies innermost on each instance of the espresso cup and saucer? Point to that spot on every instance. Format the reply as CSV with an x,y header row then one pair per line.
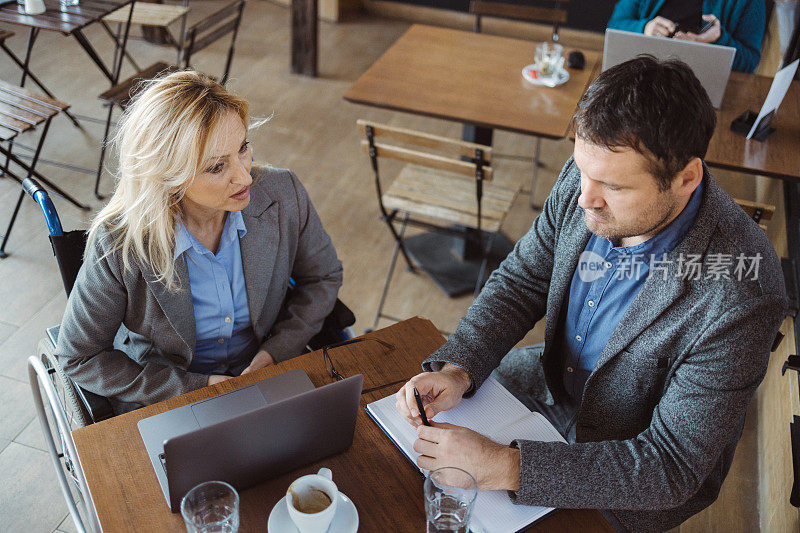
x,y
313,504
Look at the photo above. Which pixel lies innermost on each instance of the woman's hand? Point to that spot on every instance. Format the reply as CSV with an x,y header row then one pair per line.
x,y
709,36
262,359
660,27
215,378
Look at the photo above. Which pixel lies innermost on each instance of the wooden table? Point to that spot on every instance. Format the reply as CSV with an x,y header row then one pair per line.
x,y
779,155
72,21
471,78
385,487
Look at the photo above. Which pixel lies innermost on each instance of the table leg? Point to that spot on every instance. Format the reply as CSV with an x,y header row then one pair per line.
x,y
477,134
118,65
87,46
115,38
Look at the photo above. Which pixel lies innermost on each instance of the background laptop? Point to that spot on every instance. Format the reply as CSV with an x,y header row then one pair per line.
x,y
711,63
250,434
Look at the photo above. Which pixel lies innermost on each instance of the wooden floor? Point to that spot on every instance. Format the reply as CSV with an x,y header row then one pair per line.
x,y
313,132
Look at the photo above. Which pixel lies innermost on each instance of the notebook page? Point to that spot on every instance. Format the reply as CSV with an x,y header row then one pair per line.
x,y
494,511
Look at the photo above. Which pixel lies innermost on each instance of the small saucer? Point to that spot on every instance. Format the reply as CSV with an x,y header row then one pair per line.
x,y
344,521
560,78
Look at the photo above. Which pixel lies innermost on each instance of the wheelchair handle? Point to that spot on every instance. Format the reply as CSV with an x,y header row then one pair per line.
x,y
40,196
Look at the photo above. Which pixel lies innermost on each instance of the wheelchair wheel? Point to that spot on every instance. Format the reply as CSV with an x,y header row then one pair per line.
x,y
59,414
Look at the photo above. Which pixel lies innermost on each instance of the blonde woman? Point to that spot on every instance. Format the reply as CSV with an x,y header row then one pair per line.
x,y
186,272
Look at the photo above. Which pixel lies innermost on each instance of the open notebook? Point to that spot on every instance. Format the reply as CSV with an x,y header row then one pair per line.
x,y
495,413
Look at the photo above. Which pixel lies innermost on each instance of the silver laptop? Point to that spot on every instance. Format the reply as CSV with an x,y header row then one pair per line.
x,y
711,63
250,434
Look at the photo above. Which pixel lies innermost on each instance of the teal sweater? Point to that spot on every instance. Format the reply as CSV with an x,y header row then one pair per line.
x,y
742,24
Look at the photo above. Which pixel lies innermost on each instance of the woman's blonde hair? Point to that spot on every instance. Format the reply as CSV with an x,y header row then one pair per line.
x,y
162,141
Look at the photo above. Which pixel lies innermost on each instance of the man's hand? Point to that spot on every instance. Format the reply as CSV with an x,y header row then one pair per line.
x,y
709,36
214,379
262,359
440,391
494,466
660,27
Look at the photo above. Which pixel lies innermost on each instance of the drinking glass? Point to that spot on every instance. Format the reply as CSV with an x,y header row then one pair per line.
x,y
211,507
449,497
549,58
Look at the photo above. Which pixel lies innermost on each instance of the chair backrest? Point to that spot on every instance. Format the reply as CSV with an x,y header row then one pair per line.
x,y
757,211
209,30
547,11
454,152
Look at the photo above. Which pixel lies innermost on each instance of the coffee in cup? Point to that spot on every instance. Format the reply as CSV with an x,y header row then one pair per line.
x,y
311,501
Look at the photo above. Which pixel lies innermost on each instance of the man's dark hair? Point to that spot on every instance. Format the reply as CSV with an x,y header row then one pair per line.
x,y
657,108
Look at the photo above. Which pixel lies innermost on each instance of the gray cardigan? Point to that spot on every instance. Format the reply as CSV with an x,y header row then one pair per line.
x,y
125,336
664,408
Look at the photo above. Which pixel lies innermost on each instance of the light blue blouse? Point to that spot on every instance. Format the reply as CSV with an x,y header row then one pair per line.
x,y
225,339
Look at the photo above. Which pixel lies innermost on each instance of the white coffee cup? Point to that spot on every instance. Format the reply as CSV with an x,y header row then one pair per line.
x,y
34,7
313,522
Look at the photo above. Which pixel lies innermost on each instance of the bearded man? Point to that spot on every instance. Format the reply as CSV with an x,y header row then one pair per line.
x,y
662,300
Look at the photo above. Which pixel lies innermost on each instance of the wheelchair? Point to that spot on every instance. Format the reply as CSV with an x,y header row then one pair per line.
x,y
62,406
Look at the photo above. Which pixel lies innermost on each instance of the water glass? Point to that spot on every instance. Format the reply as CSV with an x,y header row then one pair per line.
x,y
449,497
549,58
68,3
211,507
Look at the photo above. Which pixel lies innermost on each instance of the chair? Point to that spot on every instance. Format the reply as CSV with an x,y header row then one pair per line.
x,y
756,211
436,192
151,15
72,407
547,11
22,111
199,36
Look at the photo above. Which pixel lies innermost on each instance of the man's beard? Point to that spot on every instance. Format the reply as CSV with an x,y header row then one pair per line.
x,y
614,232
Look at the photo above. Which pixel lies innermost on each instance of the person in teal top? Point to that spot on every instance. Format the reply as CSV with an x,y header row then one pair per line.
x,y
737,23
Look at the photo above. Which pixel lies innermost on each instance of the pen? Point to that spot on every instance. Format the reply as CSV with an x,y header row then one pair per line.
x,y
421,409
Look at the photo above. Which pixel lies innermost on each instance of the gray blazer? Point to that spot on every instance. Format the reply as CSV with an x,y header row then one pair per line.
x,y
155,329
664,408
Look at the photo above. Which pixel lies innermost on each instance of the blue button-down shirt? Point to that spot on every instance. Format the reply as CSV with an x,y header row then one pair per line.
x,y
607,280
222,319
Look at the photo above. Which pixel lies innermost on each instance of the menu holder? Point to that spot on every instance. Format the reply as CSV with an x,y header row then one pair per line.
x,y
758,126
744,123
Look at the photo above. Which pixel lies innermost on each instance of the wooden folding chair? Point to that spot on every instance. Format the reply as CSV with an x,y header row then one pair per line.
x,y
546,11
757,211
151,15
22,111
445,187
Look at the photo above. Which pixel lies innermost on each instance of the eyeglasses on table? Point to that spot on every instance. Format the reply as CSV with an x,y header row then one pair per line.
x,y
334,374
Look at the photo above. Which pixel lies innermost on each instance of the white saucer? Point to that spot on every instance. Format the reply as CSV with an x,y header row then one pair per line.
x,y
344,521
560,78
